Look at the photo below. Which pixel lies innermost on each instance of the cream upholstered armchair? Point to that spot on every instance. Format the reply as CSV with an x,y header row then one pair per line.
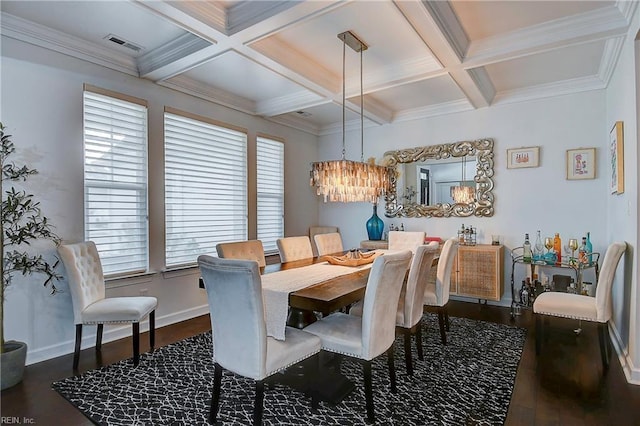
x,y
436,293
294,248
247,250
409,314
91,306
328,243
240,341
596,309
364,338
406,240
315,230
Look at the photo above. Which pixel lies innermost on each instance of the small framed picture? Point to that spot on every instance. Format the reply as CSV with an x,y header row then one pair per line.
x,y
616,155
581,163
518,158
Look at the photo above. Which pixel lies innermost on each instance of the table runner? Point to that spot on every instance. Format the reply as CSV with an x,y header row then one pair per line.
x,y
276,287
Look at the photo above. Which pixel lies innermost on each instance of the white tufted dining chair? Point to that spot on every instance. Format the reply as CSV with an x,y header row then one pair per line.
x,y
328,243
364,338
409,314
406,240
240,341
247,250
294,248
315,230
596,309
90,304
436,293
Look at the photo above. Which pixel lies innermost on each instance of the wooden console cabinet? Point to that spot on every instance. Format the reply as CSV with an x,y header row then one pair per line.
x,y
478,272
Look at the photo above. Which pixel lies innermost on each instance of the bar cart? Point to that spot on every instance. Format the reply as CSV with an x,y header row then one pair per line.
x,y
517,302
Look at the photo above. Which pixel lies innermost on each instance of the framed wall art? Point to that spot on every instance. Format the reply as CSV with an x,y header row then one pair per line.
x,y
616,156
581,163
523,157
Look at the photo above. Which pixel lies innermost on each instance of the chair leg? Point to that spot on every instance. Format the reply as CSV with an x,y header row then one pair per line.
x,y
419,341
392,369
538,333
315,399
446,317
76,351
368,390
152,330
603,337
136,343
257,408
441,321
99,337
407,350
215,398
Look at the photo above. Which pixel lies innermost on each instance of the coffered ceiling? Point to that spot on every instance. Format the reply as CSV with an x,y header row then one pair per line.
x,y
282,60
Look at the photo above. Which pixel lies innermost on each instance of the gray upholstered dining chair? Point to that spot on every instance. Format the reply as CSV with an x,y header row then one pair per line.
x,y
328,243
409,314
364,338
596,309
315,230
240,341
92,307
436,293
294,248
247,250
406,240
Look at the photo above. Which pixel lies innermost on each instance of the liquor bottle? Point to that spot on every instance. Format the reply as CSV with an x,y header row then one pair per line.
x,y
538,248
526,252
461,235
582,251
557,247
589,249
402,226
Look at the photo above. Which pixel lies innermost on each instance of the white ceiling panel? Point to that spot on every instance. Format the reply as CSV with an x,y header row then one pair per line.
x,y
419,94
557,65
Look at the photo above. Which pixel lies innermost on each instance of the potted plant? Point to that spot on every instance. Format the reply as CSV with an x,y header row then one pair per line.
x,y
22,224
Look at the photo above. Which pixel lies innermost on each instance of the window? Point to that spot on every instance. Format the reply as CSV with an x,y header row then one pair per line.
x,y
115,180
205,186
270,176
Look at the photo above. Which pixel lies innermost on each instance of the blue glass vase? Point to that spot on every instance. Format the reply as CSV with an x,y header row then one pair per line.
x,y
375,225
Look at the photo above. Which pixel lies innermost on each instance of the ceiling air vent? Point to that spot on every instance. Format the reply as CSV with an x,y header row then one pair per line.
x,y
303,113
123,42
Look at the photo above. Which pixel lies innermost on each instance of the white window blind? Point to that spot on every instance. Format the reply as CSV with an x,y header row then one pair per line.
x,y
205,187
115,182
270,176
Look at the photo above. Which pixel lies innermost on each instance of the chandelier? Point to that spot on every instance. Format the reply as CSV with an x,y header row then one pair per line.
x,y
463,194
345,180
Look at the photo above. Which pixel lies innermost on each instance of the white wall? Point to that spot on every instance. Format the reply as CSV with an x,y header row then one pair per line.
x,y
622,100
41,104
525,199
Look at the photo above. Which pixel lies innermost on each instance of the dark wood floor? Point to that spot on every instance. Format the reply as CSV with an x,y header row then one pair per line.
x,y
565,386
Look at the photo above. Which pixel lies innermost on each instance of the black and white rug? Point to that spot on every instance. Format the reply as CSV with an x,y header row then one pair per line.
x,y
467,382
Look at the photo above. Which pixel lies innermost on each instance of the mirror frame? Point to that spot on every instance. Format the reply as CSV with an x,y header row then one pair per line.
x,y
483,204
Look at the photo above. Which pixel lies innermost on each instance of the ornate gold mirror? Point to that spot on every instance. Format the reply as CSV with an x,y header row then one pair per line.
x,y
426,177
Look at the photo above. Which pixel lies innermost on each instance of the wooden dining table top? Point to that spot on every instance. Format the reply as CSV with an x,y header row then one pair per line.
x,y
326,296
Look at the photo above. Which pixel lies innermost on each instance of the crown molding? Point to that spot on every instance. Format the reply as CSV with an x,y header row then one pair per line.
x,y
610,56
187,85
166,55
297,123
444,108
39,35
289,103
548,90
589,26
627,8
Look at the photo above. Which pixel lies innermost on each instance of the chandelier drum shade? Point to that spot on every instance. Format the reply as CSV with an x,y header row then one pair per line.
x,y
346,180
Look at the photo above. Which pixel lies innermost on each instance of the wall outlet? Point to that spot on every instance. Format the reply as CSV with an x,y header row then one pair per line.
x,y
144,291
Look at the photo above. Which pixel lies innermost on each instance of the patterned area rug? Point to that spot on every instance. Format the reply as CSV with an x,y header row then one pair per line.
x,y
467,382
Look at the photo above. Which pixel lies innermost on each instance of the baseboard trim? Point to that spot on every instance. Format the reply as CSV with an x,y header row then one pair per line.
x,y
111,334
631,372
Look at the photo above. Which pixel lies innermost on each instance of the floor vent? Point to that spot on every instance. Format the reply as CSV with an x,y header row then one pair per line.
x,y
123,42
